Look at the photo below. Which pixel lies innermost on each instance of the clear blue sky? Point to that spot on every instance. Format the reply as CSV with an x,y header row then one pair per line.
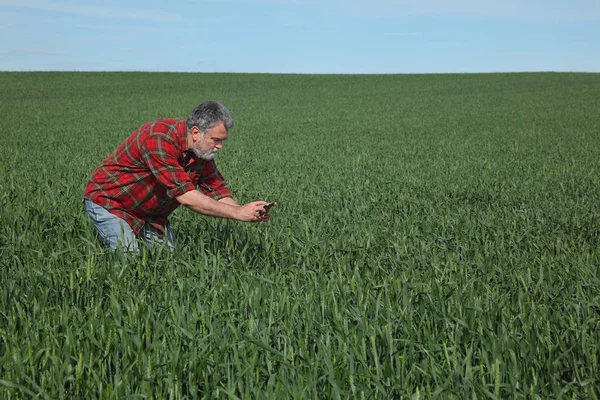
x,y
301,36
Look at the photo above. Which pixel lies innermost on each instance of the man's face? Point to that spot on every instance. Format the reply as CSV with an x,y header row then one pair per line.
x,y
207,146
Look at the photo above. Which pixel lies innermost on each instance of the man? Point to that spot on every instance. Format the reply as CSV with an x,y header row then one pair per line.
x,y
156,169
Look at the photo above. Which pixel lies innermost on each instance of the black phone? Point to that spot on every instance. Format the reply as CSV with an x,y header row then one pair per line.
x,y
268,206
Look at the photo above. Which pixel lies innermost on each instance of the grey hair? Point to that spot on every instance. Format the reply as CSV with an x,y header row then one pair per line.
x,y
207,114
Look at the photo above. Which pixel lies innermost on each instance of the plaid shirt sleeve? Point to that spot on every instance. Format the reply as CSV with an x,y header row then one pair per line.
x,y
211,182
159,153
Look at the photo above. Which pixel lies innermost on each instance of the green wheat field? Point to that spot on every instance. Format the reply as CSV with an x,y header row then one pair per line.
x,y
437,236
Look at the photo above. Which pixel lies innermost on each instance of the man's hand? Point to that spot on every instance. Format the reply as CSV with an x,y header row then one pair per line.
x,y
267,214
253,212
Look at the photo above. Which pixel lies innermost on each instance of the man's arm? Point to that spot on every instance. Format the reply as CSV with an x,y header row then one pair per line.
x,y
203,204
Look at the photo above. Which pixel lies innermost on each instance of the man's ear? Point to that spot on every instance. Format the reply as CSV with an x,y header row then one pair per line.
x,y
196,133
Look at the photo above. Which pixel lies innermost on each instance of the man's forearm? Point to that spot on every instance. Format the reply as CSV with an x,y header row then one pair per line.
x,y
230,201
200,203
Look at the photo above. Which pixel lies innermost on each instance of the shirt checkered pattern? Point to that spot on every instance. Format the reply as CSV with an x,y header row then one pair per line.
x,y
140,180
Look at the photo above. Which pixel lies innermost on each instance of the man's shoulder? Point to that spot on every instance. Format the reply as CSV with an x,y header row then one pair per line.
x,y
163,125
164,129
161,135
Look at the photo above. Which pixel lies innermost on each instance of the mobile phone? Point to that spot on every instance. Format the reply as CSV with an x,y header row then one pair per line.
x,y
268,206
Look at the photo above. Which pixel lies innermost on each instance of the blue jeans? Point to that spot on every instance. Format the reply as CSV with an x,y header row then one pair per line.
x,y
116,233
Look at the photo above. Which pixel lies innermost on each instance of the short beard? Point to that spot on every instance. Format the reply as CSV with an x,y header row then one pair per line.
x,y
205,154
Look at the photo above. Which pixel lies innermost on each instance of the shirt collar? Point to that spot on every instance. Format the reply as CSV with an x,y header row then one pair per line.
x,y
188,154
182,134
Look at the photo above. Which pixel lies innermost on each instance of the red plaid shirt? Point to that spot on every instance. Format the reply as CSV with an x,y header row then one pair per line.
x,y
139,182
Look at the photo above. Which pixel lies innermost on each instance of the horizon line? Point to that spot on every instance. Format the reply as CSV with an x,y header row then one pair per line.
x,y
304,73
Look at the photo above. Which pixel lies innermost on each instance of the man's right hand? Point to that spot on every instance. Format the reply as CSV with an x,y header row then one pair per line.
x,y
252,212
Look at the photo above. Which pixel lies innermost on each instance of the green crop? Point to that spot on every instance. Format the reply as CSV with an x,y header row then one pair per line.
x,y
436,236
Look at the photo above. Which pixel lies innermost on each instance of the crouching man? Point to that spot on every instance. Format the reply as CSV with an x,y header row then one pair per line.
x,y
156,169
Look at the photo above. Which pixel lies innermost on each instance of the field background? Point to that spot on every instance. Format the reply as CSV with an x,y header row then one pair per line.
x,y
437,236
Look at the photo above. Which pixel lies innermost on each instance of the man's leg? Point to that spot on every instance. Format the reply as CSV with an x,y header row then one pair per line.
x,y
150,235
113,230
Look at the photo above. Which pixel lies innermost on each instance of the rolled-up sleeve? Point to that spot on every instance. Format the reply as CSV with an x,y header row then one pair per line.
x,y
212,183
159,153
